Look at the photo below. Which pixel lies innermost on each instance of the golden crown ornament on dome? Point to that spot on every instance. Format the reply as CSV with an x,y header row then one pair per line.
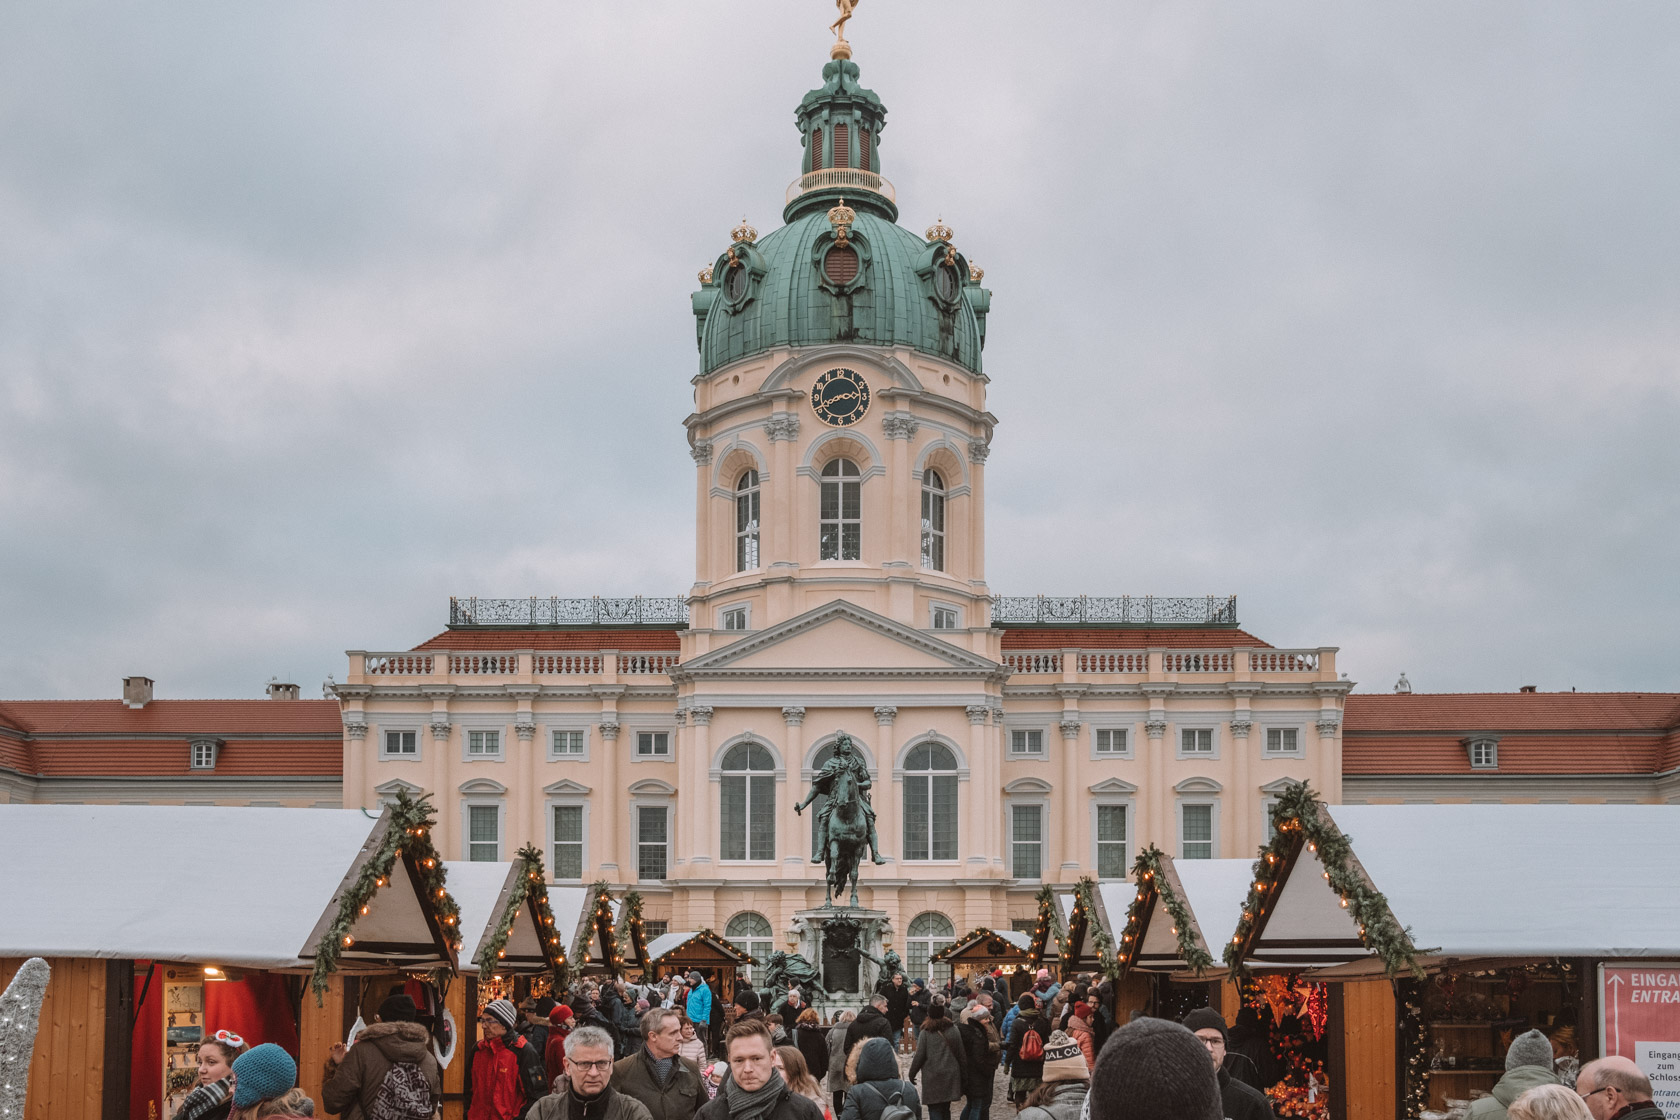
x,y
939,231
706,275
841,218
744,233
976,273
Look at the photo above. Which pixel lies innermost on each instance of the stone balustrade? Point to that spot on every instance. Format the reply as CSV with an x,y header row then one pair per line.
x,y
1170,662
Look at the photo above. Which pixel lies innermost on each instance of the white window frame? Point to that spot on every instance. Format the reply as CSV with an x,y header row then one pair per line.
x,y
934,943
776,774
1476,743
581,803
1198,727
749,541
654,756
651,805
388,755
1299,750
935,609
932,553
212,749
1042,805
1043,734
899,775
1098,803
580,728
744,610
840,481
1211,800
481,801
483,722
1122,729
747,942
655,927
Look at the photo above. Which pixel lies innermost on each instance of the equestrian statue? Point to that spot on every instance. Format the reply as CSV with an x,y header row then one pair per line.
x,y
846,820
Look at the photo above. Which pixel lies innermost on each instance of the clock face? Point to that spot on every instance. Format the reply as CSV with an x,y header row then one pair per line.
x,y
840,397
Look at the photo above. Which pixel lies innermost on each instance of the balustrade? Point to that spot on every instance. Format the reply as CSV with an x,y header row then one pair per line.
x,y
397,664
567,664
1033,661
1113,661
646,663
1196,661
484,664
1283,660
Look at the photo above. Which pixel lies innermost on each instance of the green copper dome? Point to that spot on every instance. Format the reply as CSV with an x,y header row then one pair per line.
x,y
841,269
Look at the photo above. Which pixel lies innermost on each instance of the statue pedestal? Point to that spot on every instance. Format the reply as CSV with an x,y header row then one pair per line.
x,y
830,937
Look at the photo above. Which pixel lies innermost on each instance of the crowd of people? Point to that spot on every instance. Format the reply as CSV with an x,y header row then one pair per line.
x,y
614,1051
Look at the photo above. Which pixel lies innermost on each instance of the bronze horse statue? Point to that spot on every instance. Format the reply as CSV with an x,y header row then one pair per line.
x,y
848,836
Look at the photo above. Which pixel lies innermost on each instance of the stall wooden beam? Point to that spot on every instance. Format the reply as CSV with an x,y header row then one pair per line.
x,y
455,1077
66,1079
1363,1077
320,1025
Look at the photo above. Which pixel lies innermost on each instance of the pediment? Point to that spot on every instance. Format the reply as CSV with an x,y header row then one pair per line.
x,y
1028,785
1199,785
1114,785
565,786
839,637
482,786
652,787
396,786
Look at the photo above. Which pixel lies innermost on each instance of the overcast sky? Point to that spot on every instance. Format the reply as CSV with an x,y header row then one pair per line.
x,y
314,314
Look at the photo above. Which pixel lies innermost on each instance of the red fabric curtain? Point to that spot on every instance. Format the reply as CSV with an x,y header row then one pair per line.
x,y
145,1079
257,1008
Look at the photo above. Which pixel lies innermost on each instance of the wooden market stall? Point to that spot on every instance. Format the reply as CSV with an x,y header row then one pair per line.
x,y
1181,917
1441,937
701,950
1091,940
149,953
600,947
982,950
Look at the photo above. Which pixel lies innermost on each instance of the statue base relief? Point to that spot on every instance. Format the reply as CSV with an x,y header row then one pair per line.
x,y
844,942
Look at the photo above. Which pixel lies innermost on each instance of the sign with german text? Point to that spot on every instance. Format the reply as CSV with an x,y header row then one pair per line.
x,y
1639,1018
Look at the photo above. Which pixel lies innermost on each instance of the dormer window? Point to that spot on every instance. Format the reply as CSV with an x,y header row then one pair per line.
x,y
1484,752
204,754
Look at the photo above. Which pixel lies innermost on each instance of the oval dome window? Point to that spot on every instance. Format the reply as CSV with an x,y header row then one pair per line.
x,y
945,284
840,264
737,283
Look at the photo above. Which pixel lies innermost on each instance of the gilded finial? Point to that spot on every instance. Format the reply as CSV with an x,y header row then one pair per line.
x,y
706,275
744,233
976,273
939,231
842,49
841,218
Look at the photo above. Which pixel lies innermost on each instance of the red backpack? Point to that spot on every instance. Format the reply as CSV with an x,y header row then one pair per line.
x,y
1032,1046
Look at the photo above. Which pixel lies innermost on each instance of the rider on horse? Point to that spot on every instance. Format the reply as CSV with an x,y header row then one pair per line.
x,y
845,759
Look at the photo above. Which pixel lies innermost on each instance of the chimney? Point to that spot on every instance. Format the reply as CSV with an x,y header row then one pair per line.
x,y
1529,688
280,691
137,691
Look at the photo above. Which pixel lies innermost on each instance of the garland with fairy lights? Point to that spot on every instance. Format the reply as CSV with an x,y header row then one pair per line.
x,y
996,946
410,830
1298,820
1085,906
600,924
1049,925
528,887
1151,876
631,926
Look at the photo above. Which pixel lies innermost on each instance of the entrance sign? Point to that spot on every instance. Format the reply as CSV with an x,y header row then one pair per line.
x,y
1639,1018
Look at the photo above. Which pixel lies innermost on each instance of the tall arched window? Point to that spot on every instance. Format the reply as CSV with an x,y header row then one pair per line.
x,y
933,521
928,934
842,511
750,932
930,802
749,803
746,522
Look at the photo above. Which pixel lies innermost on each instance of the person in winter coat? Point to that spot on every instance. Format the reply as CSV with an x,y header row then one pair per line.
x,y
1615,1086
1248,1051
837,1083
554,1054
982,1051
920,1000
898,1003
1067,1081
616,1010
714,1033
498,1087
699,1006
669,1086
871,1022
1102,1015
939,1059
587,1093
1025,1072
1528,1062
355,1078
877,1082
754,1090
812,1042
692,1048
261,1074
213,1098
1242,1102
1152,1069
1079,1029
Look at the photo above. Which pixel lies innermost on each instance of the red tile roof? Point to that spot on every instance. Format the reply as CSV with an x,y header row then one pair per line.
x,y
175,717
1512,711
156,758
1050,637
545,639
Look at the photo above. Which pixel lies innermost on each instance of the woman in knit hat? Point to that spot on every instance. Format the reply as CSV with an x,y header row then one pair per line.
x,y
1066,1082
554,1051
1025,1054
939,1059
1079,1029
262,1073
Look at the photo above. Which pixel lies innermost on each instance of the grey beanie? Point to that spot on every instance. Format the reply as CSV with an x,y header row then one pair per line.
x,y
1151,1069
1529,1049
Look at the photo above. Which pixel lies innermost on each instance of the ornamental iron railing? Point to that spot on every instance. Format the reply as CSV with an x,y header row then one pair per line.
x,y
671,610
1113,610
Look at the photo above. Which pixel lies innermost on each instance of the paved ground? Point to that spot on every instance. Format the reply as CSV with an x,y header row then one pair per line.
x,y
1001,1108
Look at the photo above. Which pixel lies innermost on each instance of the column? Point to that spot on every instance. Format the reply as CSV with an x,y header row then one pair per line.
x,y
611,838
1242,796
704,548
1067,800
682,829
700,804
980,806
796,840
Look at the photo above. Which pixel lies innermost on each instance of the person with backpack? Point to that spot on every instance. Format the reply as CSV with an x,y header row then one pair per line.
x,y
1025,1049
390,1073
939,1059
878,1092
507,1071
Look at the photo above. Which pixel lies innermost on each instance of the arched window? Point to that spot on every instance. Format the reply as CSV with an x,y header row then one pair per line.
x,y
842,511
933,521
749,932
928,934
930,802
749,803
746,522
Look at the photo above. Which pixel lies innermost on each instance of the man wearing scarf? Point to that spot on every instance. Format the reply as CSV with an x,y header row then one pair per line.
x,y
587,1092
755,1089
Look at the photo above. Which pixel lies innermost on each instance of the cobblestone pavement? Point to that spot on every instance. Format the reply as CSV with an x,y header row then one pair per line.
x,y
1001,1108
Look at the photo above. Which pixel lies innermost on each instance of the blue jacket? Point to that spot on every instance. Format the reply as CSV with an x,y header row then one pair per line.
x,y
700,1005
1008,1021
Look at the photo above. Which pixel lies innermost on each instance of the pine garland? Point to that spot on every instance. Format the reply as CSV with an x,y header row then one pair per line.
x,y
1148,871
1299,820
528,887
630,928
1049,925
408,838
1085,905
599,924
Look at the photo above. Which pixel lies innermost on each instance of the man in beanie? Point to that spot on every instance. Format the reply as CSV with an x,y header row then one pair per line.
x,y
1242,1102
395,1049
504,1066
1528,1062
535,1026
1066,1082
262,1073
1154,1070
699,1006
982,1051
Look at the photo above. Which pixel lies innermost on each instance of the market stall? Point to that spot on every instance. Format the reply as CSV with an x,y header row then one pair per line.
x,y
1441,936
983,950
600,946
1088,944
153,945
672,954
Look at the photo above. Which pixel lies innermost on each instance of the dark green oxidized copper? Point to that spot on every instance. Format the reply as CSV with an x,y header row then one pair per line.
x,y
782,291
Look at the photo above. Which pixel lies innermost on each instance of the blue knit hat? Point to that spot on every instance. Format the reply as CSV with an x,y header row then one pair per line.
x,y
261,1074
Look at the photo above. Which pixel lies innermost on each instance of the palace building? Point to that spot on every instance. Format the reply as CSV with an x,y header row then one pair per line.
x,y
840,437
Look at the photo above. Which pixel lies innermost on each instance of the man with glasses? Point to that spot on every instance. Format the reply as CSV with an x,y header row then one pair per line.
x,y
507,1071
586,1092
1242,1102
1615,1089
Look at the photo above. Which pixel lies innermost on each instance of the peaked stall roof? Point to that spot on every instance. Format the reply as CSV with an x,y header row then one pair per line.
x,y
104,881
1213,892
484,891
1437,866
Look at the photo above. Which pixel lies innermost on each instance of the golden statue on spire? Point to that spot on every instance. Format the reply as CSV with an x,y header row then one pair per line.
x,y
842,49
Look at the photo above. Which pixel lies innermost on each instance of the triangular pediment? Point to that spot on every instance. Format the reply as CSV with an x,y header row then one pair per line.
x,y
839,637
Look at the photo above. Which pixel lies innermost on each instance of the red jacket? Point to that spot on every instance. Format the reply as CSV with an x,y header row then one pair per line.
x,y
554,1057
495,1080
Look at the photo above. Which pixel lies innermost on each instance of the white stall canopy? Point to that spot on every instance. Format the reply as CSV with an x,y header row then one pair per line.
x,y
484,891
1212,891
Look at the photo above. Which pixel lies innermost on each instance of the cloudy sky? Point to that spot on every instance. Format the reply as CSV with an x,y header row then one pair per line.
x,y
314,314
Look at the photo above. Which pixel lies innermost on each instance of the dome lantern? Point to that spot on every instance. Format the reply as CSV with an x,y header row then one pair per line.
x,y
841,123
